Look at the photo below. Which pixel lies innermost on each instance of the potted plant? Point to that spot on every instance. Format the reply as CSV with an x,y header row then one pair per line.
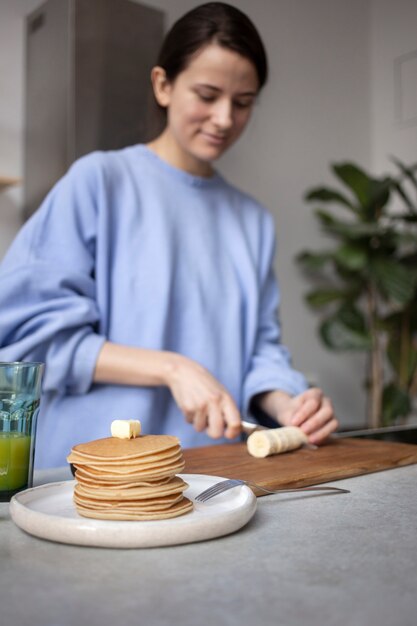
x,y
365,285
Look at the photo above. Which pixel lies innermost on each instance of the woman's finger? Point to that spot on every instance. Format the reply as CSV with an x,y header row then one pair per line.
x,y
321,435
215,428
319,419
232,419
188,414
311,404
316,421
200,420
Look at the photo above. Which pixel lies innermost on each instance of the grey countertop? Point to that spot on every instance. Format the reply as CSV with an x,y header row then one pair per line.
x,y
313,560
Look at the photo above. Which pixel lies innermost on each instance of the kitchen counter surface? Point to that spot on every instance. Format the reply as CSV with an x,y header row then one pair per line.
x,y
313,560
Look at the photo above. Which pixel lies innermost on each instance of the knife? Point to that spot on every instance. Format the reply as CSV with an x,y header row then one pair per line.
x,y
374,431
249,427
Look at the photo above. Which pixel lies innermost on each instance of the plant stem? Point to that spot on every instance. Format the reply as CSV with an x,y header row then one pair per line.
x,y
404,351
412,390
413,386
376,378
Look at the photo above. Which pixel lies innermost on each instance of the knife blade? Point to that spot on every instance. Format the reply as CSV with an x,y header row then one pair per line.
x,y
248,427
373,431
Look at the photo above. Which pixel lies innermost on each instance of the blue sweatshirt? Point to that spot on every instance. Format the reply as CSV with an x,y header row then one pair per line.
x,y
129,249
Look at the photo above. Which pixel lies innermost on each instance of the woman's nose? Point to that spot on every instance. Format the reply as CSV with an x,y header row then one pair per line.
x,y
223,114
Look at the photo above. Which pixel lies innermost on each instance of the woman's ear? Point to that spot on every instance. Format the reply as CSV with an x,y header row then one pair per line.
x,y
161,86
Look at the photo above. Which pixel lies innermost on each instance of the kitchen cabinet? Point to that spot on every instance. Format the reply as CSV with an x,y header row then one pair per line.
x,y
87,84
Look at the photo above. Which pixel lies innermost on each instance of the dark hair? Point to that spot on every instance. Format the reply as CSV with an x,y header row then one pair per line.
x,y
214,22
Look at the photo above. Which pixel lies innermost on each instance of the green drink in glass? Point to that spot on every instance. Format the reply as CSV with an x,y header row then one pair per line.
x,y
20,389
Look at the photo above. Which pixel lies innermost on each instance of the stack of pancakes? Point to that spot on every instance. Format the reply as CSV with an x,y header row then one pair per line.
x,y
129,479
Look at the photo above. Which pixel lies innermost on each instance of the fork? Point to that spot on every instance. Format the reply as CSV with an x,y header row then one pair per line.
x,y
230,483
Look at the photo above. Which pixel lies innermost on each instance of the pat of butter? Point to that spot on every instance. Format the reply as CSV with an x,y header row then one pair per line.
x,y
125,429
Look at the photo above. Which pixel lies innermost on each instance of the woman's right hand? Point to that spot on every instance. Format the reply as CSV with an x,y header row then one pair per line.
x,y
204,401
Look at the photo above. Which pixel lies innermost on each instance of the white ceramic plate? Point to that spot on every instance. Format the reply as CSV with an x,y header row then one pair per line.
x,y
48,512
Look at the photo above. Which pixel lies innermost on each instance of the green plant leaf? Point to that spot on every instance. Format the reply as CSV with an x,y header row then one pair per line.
x,y
408,172
375,249
355,178
393,322
352,316
313,261
405,239
326,194
348,230
355,280
346,330
352,256
402,364
322,297
325,217
410,219
409,261
395,403
393,279
405,197
400,328
372,193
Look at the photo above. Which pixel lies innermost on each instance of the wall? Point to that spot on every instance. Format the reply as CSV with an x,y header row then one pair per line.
x,y
12,14
394,82
315,110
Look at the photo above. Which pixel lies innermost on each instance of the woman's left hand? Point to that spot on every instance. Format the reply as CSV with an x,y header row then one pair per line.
x,y
311,411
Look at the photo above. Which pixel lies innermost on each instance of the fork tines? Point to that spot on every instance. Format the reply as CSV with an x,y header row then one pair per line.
x,y
219,487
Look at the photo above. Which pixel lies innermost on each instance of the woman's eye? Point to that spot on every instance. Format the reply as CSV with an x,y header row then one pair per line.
x,y
243,104
206,98
238,104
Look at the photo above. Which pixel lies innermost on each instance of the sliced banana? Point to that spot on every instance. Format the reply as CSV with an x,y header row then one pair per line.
x,y
264,443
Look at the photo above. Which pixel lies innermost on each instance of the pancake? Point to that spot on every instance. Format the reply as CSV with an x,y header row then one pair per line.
x,y
151,504
178,509
143,470
175,486
131,467
82,478
130,479
113,448
148,460
131,476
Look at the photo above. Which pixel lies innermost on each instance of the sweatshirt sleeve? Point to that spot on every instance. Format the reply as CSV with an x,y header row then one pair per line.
x,y
48,308
270,366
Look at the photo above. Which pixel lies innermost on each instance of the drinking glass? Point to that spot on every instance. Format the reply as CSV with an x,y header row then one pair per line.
x,y
20,391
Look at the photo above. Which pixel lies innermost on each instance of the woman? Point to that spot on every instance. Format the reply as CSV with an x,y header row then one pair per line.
x,y
145,280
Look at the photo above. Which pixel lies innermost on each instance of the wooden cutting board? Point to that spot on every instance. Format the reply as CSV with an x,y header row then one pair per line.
x,y
340,458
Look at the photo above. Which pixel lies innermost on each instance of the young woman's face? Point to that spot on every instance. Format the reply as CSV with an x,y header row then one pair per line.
x,y
208,106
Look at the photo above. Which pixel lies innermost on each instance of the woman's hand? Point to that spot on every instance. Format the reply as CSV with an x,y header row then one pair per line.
x,y
311,411
203,400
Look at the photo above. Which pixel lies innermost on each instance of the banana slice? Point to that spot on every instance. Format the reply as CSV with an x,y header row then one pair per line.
x,y
125,429
264,443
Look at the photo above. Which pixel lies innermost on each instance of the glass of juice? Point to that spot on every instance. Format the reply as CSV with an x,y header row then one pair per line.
x,y
20,391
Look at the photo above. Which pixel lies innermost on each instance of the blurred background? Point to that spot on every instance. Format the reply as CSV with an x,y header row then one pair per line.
x,y
342,87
